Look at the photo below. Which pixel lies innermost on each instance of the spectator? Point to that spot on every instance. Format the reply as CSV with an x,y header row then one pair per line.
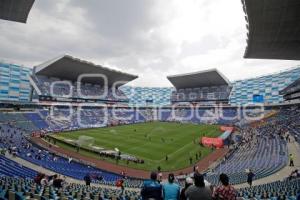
x,y
188,182
120,183
226,191
50,180
151,188
44,181
160,177
295,174
291,160
171,190
57,181
198,191
250,177
87,179
38,178
288,137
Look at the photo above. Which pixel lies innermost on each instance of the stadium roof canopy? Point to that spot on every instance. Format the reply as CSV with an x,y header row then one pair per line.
x,y
15,10
205,78
69,68
273,29
293,87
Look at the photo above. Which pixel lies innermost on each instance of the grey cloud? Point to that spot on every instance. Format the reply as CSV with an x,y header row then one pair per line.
x,y
125,34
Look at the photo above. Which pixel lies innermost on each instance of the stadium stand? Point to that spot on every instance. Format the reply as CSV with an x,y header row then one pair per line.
x,y
207,87
289,119
262,150
147,96
12,169
259,146
292,92
262,145
276,190
14,140
79,82
267,87
19,188
88,91
14,82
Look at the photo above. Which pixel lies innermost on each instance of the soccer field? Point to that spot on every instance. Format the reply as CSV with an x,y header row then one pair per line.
x,y
148,141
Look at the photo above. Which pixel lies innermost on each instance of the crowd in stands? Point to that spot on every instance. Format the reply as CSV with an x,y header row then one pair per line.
x,y
262,150
15,142
194,188
24,188
60,119
289,119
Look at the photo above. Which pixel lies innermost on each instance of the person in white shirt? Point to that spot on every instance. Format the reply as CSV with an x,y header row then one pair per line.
x,y
44,181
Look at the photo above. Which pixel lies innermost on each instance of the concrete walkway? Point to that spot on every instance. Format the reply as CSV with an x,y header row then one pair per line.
x,y
293,148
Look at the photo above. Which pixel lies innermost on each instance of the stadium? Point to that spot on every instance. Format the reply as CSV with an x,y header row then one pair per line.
x,y
75,129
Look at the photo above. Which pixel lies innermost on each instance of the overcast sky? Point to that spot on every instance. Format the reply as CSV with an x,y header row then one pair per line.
x,y
149,38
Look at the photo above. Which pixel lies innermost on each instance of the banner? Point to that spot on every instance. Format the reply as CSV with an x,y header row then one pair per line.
x,y
215,142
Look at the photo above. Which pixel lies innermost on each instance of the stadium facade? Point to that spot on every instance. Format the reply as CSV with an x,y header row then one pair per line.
x,y
204,87
264,89
292,92
15,86
148,96
14,82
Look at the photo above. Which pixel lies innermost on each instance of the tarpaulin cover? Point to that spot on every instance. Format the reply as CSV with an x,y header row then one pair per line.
x,y
216,142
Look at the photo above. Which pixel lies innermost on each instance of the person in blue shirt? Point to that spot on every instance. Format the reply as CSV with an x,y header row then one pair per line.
x,y
151,188
171,190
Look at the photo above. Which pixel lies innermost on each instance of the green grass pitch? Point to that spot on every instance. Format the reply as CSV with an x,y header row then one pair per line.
x,y
149,141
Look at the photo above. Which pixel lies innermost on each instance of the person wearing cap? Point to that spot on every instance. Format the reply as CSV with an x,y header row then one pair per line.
x,y
171,190
225,191
151,188
188,182
198,190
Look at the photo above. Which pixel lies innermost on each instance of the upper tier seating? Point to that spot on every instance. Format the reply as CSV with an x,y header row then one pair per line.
x,y
76,90
201,94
